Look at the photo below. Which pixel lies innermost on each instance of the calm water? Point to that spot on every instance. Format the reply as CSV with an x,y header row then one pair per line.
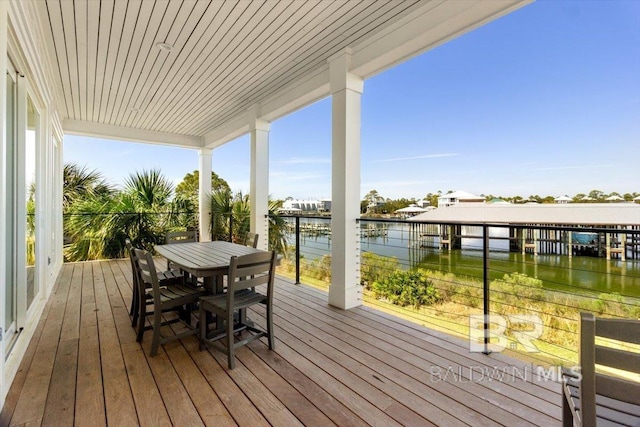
x,y
558,272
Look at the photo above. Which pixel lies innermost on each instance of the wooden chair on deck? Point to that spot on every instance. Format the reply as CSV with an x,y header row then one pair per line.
x,y
179,237
164,278
245,273
173,237
165,298
594,398
251,240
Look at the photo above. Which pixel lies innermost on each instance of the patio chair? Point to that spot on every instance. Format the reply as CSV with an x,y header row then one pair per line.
x,y
164,278
251,240
165,298
245,274
179,237
188,236
596,398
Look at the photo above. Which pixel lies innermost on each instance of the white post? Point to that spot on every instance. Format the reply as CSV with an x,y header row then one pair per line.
x,y
346,89
204,192
259,190
4,202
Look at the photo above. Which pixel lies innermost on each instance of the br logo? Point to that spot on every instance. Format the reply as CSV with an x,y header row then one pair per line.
x,y
513,331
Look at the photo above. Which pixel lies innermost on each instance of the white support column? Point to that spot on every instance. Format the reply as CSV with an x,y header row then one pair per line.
x,y
259,191
346,90
204,191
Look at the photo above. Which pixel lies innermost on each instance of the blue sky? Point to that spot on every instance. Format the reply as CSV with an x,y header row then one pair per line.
x,y
543,101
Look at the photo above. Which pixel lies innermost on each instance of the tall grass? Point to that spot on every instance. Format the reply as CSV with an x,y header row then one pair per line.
x,y
457,297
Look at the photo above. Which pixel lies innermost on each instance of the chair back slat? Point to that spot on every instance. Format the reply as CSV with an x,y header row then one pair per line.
x,y
249,271
618,389
181,236
617,358
625,330
148,274
132,259
251,240
250,282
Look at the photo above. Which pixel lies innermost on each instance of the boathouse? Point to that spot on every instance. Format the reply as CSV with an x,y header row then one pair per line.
x,y
451,224
458,197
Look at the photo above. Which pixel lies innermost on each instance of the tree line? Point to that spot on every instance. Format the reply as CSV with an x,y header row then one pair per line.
x,y
374,203
98,216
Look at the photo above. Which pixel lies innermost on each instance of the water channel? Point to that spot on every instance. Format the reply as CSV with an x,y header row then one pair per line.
x,y
577,274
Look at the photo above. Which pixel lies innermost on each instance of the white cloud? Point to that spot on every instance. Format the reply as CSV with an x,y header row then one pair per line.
x,y
297,176
562,168
426,156
302,160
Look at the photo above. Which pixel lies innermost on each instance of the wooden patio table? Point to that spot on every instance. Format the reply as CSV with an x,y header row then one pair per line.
x,y
209,260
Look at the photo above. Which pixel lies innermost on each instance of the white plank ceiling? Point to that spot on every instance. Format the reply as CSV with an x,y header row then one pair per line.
x,y
226,56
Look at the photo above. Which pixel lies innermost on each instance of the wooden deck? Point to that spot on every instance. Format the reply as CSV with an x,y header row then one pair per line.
x,y
330,367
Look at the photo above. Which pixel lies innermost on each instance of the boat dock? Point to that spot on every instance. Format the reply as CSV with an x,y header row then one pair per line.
x,y
529,229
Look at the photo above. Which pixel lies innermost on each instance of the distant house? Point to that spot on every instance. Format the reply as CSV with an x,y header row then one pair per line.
x,y
324,205
293,206
458,197
497,201
411,210
563,199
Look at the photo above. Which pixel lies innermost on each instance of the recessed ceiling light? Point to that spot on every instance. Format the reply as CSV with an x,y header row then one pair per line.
x,y
164,46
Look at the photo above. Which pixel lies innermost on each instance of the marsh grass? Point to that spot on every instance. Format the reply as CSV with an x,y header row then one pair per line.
x,y
459,296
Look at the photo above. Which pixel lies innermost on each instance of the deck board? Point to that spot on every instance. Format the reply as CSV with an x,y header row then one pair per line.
x,y
392,352
330,367
89,393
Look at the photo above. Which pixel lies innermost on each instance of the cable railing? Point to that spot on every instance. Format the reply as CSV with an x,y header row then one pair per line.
x,y
512,288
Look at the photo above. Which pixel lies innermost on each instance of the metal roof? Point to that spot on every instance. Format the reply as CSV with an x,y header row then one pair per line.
x,y
550,214
461,195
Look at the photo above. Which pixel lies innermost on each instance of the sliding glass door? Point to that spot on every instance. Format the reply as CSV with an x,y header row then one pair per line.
x,y
22,285
10,278
31,145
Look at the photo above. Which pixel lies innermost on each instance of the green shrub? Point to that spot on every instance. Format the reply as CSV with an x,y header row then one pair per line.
x,y
375,267
520,285
320,268
406,288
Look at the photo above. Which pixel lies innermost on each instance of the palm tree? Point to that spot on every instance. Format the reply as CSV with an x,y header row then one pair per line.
x,y
93,228
142,211
80,183
224,205
150,189
277,228
220,202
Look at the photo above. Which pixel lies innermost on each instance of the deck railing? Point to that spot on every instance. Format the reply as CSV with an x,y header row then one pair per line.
x,y
505,288
517,289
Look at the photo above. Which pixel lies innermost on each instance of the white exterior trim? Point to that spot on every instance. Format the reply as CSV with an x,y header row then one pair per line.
x,y
259,180
345,290
204,192
18,39
99,130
